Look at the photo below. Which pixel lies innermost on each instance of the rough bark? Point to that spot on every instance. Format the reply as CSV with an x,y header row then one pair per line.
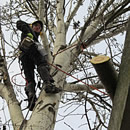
x,y
106,73
121,107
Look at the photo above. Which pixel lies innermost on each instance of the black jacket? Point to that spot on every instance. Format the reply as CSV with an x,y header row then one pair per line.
x,y
25,28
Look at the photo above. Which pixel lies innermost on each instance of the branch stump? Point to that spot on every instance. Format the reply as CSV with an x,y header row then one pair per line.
x,y
106,73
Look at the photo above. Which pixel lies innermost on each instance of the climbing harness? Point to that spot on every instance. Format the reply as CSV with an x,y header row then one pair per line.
x,y
26,44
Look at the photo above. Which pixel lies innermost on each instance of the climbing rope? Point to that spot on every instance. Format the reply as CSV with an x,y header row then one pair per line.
x,y
78,79
21,73
82,47
12,79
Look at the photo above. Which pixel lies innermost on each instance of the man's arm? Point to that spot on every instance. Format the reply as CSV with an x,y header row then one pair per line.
x,y
23,26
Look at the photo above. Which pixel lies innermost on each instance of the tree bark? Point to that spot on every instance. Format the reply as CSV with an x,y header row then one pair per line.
x,y
13,106
120,115
81,87
44,113
106,73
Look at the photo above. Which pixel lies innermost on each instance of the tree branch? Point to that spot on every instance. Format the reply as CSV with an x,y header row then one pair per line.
x,y
60,35
80,87
28,1
13,105
109,20
43,35
70,17
93,14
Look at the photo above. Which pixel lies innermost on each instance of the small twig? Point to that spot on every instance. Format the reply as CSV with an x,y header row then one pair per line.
x,y
86,112
68,126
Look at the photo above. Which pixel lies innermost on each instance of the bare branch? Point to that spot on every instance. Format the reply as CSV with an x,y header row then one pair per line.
x,y
80,87
70,17
93,14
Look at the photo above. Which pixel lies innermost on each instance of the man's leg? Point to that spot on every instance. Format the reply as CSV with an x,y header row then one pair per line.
x,y
48,80
28,68
42,68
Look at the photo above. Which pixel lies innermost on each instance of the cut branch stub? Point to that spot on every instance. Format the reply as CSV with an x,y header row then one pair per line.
x,y
106,73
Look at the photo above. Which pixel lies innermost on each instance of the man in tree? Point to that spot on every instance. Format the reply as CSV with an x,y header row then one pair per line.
x,y
33,55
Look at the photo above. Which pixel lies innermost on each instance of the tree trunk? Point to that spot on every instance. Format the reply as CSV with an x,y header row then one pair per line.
x,y
120,115
44,113
106,73
13,106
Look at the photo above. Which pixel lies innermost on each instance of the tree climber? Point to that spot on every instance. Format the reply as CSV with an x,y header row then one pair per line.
x,y
32,55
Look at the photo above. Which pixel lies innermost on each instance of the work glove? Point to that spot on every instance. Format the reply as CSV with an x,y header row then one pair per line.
x,y
30,35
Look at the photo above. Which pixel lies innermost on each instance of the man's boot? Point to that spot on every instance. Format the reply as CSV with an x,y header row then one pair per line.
x,y
51,88
30,92
48,80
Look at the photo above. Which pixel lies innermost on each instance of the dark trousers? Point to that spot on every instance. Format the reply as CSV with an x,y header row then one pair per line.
x,y
31,59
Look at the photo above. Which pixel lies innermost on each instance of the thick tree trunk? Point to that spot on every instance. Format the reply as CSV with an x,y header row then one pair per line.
x,y
120,116
106,73
44,113
125,125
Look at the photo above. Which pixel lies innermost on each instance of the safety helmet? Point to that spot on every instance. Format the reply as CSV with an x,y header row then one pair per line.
x,y
38,21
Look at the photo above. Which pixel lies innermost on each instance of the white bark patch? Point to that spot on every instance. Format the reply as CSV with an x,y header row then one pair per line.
x,y
60,36
13,106
91,29
63,60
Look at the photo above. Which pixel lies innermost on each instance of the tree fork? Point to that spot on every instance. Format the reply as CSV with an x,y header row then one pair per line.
x,y
106,73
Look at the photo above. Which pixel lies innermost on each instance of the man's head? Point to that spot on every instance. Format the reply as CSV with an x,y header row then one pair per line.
x,y
37,26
